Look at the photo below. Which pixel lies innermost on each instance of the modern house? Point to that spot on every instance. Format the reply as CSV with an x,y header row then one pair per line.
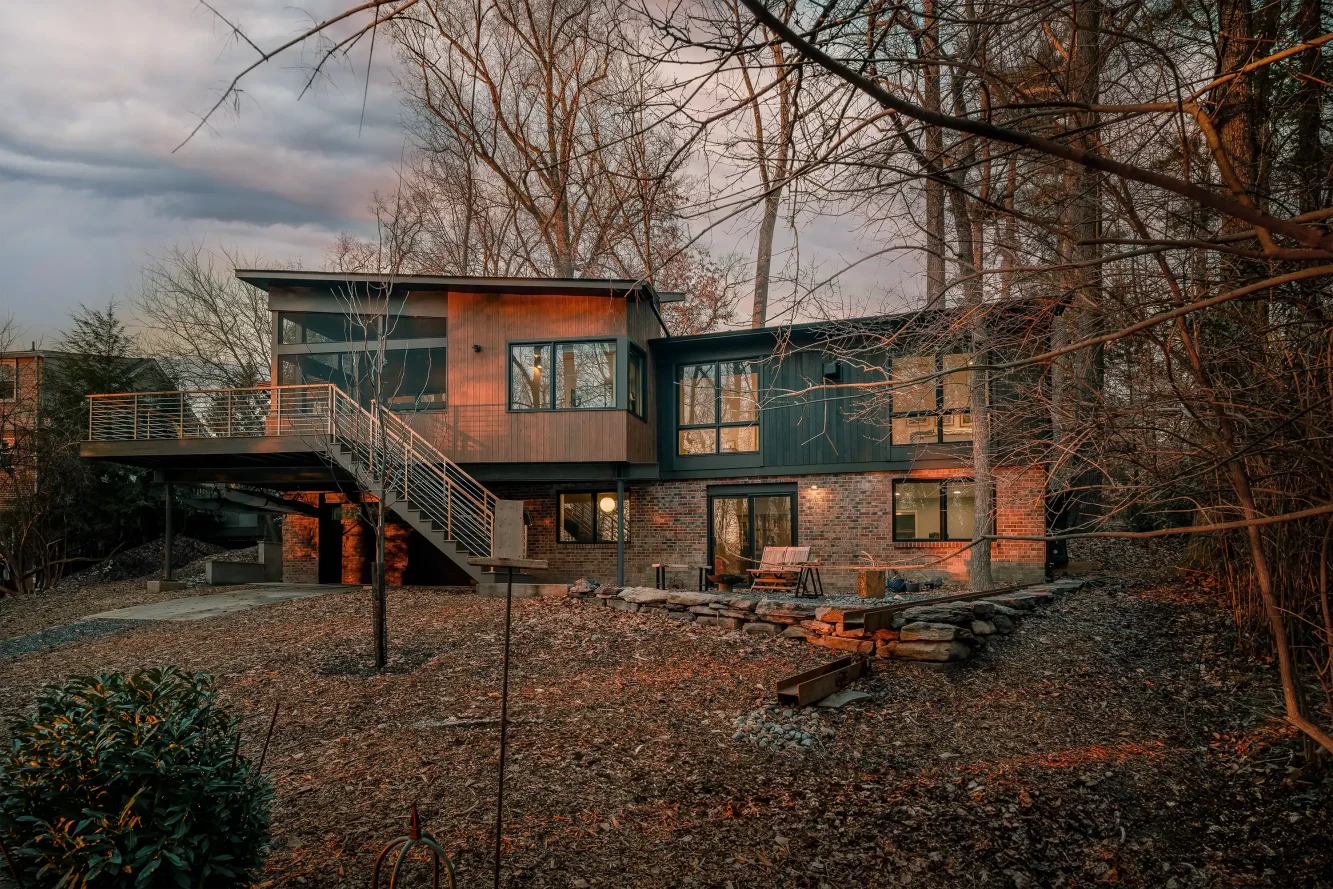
x,y
628,447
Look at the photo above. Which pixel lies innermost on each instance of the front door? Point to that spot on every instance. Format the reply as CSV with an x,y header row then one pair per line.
x,y
741,525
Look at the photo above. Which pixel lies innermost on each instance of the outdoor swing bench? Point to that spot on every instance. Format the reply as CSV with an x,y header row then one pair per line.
x,y
788,570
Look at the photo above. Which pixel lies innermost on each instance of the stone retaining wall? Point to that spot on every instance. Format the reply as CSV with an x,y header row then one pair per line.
x,y
942,632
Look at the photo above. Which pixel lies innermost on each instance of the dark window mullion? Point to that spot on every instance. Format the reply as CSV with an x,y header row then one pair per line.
x,y
944,510
717,419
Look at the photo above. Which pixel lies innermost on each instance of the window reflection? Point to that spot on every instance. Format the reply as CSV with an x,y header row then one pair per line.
x,y
721,397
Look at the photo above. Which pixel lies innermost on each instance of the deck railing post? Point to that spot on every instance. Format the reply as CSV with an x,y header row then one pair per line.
x,y
136,418
277,429
90,418
181,428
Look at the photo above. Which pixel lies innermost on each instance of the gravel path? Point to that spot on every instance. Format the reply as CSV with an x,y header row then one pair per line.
x,y
81,631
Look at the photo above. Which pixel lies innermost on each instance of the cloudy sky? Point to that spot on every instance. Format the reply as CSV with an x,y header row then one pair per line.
x,y
98,93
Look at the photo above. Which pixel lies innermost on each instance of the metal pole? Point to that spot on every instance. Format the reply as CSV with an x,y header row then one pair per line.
x,y
504,719
166,538
620,532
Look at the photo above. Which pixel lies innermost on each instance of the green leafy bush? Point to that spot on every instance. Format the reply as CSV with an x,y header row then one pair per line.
x,y
132,781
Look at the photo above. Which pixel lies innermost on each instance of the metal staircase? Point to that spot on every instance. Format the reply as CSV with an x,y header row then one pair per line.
x,y
387,458
391,462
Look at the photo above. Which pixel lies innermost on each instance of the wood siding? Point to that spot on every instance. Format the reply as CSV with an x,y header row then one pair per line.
x,y
477,427
642,439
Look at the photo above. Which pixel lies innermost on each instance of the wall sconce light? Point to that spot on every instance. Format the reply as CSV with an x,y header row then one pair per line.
x,y
814,487
476,348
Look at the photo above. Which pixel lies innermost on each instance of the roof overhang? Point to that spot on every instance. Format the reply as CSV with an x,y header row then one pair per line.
x,y
266,279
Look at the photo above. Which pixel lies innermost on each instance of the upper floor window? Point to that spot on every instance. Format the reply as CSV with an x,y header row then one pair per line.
x,y
638,373
412,379
718,408
9,379
313,328
931,410
562,376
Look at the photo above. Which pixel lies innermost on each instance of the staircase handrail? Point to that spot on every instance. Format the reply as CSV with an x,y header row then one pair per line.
x,y
399,455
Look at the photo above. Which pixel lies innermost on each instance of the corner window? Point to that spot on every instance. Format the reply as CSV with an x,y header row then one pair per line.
x,y
933,510
638,372
933,410
314,328
718,408
413,379
590,517
9,379
562,376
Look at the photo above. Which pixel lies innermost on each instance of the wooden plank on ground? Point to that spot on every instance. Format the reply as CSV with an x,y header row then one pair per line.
x,y
805,688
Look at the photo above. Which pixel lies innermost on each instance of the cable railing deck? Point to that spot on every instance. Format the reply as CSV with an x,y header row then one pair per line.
x,y
388,457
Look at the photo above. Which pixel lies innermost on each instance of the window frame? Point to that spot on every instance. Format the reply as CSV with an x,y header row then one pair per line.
x,y
367,346
595,494
635,354
13,397
619,373
750,492
940,411
944,509
678,379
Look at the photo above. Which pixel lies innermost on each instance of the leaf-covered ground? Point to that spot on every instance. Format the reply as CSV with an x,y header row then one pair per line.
x,y
1115,739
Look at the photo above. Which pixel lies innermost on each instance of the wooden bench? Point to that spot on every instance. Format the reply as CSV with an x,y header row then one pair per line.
x,y
786,569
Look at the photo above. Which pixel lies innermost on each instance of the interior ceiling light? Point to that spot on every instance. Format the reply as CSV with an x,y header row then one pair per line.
x,y
607,503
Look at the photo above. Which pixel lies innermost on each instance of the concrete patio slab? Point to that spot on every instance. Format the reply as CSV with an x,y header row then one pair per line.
x,y
203,607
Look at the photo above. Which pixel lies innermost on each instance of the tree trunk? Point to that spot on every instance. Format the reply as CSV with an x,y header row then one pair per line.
x,y
934,143
763,263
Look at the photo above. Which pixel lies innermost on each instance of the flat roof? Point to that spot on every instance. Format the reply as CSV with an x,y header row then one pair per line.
x,y
611,287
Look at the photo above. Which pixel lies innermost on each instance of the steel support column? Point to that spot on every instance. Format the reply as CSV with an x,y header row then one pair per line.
x,y
620,532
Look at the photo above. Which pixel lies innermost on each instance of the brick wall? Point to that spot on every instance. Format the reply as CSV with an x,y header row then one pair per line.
x,y
841,517
18,420
358,550
300,544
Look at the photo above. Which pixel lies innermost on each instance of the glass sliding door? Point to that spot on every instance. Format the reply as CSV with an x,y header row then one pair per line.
x,y
741,525
731,535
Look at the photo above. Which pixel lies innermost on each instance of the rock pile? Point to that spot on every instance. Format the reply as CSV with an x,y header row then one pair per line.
x,y
950,631
775,728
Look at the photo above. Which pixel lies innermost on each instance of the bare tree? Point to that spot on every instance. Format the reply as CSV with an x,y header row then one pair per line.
x,y
214,329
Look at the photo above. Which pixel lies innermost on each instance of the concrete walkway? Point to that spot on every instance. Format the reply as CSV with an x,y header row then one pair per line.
x,y
203,607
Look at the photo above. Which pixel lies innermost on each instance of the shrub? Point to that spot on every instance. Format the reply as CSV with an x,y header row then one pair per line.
x,y
123,781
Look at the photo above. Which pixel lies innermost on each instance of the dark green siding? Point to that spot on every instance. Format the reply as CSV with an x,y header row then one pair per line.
x,y
826,426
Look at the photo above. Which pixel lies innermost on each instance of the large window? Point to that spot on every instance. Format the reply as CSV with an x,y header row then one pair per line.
x,y
414,379
314,328
343,349
590,517
9,379
933,410
933,510
718,408
563,376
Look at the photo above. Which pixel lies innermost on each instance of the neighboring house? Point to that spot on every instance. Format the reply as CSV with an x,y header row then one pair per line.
x,y
27,379
567,394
